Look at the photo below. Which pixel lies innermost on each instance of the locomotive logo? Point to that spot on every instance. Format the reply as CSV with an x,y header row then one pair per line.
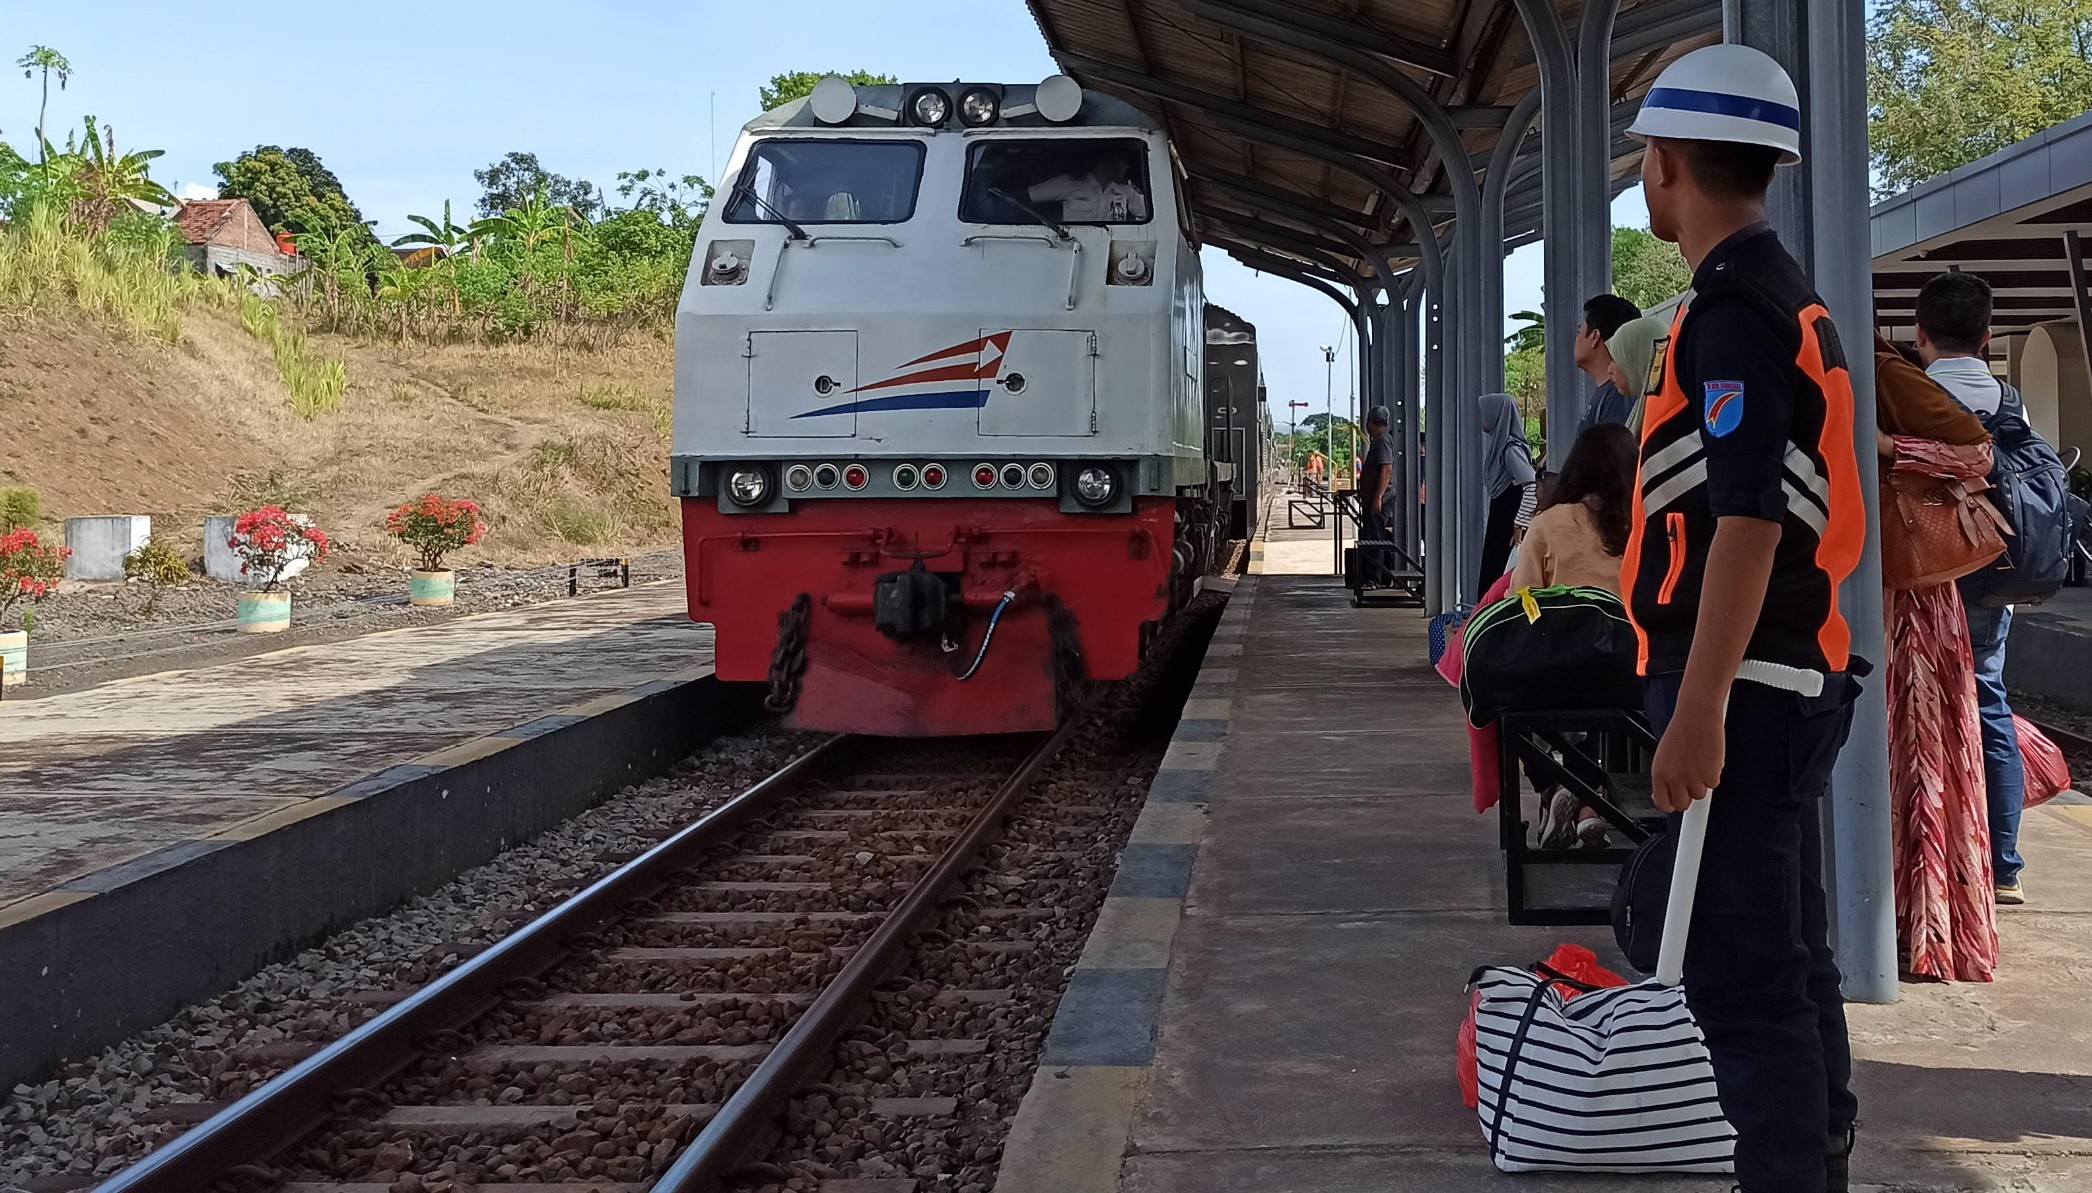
x,y
957,378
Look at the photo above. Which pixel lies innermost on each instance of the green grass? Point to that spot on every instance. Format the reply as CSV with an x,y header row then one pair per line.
x,y
620,395
553,455
316,382
578,522
46,265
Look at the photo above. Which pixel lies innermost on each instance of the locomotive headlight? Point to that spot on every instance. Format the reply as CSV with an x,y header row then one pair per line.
x,y
749,485
1096,486
930,107
978,107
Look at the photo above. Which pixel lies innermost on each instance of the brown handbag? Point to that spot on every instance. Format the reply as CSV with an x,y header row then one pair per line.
x,y
1936,525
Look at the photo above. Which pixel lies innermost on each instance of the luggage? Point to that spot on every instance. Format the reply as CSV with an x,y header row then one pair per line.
x,y
1610,1080
2048,772
1555,649
2032,490
1936,524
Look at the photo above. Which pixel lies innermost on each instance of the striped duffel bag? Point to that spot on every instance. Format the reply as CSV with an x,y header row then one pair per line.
x,y
1611,1080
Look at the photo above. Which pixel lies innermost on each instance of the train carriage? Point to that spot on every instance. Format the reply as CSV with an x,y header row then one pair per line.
x,y
940,439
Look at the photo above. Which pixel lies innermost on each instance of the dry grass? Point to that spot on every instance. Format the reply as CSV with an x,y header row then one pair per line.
x,y
111,424
45,268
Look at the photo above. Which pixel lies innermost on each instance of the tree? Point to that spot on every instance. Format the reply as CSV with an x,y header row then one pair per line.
x,y
1530,337
1951,81
290,189
783,89
110,182
50,62
511,183
1647,271
677,201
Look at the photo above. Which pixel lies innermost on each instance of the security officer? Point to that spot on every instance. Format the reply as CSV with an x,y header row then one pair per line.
x,y
1748,514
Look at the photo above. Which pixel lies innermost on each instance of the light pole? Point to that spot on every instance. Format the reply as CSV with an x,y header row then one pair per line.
x,y
1329,412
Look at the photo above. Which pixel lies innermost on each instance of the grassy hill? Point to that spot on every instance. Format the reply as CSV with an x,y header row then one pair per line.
x,y
566,447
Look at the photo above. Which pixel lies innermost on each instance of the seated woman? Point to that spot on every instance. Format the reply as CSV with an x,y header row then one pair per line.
x,y
1577,539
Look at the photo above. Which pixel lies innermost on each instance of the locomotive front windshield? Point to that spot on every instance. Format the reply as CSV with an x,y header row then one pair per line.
x,y
828,182
1070,181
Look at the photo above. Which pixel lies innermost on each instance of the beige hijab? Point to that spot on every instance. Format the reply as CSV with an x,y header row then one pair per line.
x,y
1637,349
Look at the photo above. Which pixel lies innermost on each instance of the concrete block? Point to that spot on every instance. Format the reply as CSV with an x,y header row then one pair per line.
x,y
100,545
219,562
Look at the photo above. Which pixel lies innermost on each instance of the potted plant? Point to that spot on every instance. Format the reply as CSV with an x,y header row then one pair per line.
x,y
267,541
29,570
435,526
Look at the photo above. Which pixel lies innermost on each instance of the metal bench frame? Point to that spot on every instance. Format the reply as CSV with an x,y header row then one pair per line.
x,y
1618,742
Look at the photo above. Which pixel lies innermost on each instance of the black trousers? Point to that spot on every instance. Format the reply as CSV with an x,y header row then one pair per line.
x,y
1496,536
1759,975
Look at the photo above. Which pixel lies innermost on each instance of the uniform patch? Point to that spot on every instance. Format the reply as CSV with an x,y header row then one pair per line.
x,y
1724,407
1656,363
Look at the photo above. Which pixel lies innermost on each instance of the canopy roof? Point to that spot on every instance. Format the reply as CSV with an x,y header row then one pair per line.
x,y
1193,67
2004,217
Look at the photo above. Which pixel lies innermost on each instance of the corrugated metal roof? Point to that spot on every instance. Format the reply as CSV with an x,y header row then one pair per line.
x,y
1198,76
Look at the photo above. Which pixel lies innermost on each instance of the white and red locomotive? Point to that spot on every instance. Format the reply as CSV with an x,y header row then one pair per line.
x,y
939,427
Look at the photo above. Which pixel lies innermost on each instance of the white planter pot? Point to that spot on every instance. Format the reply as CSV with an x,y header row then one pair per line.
x,y
432,589
14,658
265,612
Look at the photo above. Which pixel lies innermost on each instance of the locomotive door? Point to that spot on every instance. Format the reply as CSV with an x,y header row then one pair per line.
x,y
802,383
1040,383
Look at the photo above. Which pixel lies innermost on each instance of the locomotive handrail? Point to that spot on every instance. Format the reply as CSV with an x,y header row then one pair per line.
x,y
1054,242
770,295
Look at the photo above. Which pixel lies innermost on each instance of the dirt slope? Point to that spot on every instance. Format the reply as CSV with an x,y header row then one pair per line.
x,y
567,449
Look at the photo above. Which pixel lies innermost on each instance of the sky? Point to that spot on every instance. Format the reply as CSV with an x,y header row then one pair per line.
x,y
404,100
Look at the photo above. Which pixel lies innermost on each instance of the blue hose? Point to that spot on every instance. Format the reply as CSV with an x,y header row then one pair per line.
x,y
994,619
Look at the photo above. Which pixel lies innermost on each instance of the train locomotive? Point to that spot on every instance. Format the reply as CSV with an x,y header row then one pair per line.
x,y
940,434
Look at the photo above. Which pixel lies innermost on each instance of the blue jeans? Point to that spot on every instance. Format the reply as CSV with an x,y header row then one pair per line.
x,y
2004,775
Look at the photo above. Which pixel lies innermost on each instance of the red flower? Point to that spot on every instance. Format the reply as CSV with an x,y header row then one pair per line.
x,y
435,526
267,540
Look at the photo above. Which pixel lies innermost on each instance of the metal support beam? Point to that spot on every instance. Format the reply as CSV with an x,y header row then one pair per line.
x,y
2080,294
1594,103
1368,38
1820,209
1562,218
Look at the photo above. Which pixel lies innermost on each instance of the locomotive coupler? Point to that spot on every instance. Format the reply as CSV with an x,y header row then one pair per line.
x,y
913,606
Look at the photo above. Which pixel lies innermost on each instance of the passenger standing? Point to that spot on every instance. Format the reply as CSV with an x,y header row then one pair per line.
x,y
1376,488
1946,917
1954,344
1604,316
1507,477
1749,515
1636,350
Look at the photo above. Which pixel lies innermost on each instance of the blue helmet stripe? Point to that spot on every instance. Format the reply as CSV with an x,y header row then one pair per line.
x,y
1715,103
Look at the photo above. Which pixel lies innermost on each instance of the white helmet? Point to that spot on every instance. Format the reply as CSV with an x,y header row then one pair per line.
x,y
1724,93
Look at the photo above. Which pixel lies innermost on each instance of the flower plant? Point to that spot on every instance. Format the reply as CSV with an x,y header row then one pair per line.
x,y
29,570
435,526
268,539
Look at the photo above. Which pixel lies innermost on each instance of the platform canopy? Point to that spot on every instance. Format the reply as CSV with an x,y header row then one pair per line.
x,y
1247,111
2017,217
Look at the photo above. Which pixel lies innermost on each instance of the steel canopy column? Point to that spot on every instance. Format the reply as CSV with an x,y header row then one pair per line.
x,y
1562,219
1820,209
1594,108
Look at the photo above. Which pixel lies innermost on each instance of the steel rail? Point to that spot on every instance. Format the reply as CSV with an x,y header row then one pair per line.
x,y
294,1103
728,1140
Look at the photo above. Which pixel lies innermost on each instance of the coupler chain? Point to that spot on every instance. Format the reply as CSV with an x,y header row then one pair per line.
x,y
1070,670
788,661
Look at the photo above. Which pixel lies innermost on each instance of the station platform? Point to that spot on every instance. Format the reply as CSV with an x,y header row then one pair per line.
x,y
2049,653
1283,1017
162,836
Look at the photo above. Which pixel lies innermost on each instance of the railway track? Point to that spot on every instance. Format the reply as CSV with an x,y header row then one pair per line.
x,y
649,1032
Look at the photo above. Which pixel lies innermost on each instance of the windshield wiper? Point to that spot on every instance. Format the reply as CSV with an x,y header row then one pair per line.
x,y
798,233
1038,217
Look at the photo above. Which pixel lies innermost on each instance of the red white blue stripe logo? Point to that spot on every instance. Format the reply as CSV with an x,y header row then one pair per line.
x,y
955,378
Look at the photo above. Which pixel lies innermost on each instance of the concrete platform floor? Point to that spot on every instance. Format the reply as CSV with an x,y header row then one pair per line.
x,y
1345,888
92,778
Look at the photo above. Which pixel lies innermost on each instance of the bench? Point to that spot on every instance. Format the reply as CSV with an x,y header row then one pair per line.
x,y
1606,769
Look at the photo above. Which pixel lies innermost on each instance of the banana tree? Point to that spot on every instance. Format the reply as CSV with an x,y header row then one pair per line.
x,y
447,238
109,181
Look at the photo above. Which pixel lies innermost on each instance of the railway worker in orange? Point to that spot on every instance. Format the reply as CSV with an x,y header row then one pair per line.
x,y
1748,514
1316,466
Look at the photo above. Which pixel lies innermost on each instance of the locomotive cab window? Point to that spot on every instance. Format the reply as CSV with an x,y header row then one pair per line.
x,y
1065,180
827,182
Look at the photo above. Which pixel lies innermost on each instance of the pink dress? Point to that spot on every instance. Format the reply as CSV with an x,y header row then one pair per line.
x,y
1946,908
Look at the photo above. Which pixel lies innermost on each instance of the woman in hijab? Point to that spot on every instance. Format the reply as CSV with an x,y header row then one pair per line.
x,y
1507,474
1636,348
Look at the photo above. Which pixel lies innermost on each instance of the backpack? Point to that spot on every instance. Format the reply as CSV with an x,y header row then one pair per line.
x,y
2032,491
1549,649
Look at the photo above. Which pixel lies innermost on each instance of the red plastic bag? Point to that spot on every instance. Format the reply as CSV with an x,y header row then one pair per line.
x,y
2048,774
1571,961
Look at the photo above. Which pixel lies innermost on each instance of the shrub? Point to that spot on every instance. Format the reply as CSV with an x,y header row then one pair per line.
x,y
435,527
29,570
268,539
253,488
316,383
578,522
156,564
20,509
